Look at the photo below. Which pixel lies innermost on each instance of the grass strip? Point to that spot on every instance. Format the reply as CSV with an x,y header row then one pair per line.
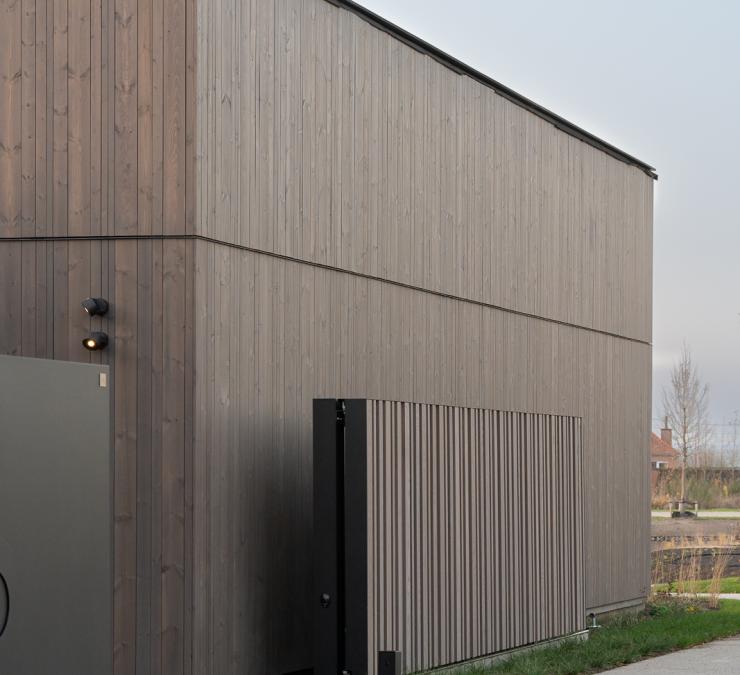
x,y
665,626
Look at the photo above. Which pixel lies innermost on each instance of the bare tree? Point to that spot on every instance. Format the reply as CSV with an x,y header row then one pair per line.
x,y
686,407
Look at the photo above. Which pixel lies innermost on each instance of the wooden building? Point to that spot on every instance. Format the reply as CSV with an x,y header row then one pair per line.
x,y
284,200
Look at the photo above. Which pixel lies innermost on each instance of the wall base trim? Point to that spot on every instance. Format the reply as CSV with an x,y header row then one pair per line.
x,y
623,604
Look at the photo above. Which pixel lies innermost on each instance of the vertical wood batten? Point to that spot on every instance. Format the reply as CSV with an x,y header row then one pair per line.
x,y
11,100
175,68
125,446
125,166
173,457
543,453
78,79
28,118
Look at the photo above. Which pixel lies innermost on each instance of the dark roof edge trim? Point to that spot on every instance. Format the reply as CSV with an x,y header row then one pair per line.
x,y
463,69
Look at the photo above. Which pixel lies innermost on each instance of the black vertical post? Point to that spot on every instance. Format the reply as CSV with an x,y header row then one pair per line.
x,y
355,537
340,537
328,437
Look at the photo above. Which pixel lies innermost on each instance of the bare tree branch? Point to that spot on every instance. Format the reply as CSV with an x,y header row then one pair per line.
x,y
686,407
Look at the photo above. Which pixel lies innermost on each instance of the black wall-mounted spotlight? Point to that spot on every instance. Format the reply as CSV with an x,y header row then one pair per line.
x,y
96,340
95,306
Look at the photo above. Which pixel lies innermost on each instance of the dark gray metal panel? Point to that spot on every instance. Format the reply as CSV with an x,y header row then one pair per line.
x,y
55,517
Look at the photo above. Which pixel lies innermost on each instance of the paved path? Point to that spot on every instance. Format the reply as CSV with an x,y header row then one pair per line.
x,y
702,514
720,657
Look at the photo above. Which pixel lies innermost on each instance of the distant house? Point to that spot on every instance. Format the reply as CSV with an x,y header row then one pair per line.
x,y
662,453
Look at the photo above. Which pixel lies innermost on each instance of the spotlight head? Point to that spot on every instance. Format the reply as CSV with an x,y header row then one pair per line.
x,y
95,306
95,341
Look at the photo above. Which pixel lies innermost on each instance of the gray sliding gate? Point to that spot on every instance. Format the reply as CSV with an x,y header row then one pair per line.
x,y
442,534
55,518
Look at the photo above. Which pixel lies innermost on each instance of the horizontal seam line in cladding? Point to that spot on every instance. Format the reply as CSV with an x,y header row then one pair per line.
x,y
331,268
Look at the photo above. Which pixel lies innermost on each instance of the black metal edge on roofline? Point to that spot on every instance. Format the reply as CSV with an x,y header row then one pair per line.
x,y
463,69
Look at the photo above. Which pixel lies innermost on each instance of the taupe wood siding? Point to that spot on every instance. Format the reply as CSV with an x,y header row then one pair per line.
x,y
273,334
474,531
95,130
96,139
298,129
323,138
150,287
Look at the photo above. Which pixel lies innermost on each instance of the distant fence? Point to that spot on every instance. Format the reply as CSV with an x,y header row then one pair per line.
x,y
450,533
667,563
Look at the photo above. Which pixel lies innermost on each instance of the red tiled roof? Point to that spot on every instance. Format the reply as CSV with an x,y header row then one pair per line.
x,y
659,448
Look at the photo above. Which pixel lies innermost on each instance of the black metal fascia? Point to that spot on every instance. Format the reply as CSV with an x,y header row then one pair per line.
x,y
463,69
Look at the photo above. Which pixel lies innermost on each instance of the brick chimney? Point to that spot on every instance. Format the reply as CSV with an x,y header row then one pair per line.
x,y
666,434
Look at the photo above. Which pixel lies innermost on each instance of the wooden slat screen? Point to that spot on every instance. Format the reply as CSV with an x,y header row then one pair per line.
x,y
474,530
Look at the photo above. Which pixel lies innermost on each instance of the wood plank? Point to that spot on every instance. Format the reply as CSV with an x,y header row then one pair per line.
x,y
145,514
157,402
174,70
220,457
265,36
173,457
145,122
97,89
11,100
60,131
201,517
189,476
125,429
125,167
28,121
41,79
157,117
60,299
79,149
192,11
10,298
78,288
29,298
108,118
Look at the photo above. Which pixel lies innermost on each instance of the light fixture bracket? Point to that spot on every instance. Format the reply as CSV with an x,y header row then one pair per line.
x,y
95,306
95,341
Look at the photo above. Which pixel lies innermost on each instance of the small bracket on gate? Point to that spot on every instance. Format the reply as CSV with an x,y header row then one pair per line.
x,y
389,663
341,412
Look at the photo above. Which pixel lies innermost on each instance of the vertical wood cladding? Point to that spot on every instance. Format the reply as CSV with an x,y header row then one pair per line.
x,y
150,287
95,130
96,140
323,138
275,334
295,128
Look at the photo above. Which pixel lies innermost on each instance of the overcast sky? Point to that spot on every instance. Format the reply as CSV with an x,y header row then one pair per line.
x,y
661,80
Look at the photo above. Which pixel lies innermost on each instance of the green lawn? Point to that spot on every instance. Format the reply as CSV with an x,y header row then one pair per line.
x,y
666,626
727,585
